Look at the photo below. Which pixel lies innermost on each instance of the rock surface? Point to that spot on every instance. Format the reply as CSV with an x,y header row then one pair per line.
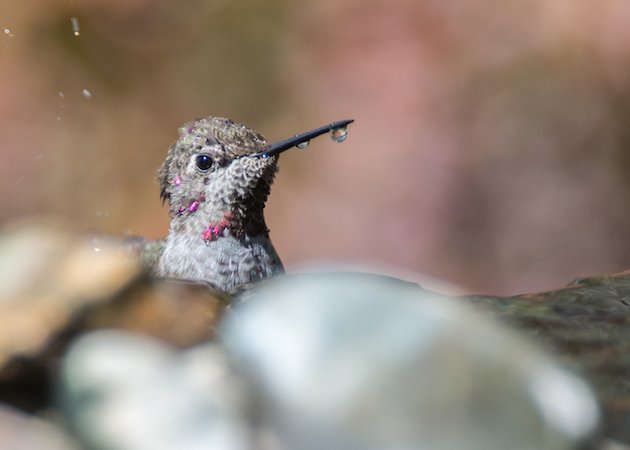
x,y
587,326
356,361
126,391
57,282
20,431
98,354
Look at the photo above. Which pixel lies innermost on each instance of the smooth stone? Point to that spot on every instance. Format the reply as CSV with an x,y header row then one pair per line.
x,y
357,361
124,391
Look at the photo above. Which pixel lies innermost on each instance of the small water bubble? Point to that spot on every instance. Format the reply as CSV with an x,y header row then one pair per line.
x,y
87,94
61,94
75,25
303,145
8,32
339,134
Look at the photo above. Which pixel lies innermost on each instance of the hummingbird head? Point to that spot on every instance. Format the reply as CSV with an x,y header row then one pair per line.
x,y
220,172
216,170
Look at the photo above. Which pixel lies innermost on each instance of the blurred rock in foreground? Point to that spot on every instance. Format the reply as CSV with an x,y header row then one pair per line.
x,y
105,357
124,391
20,431
352,361
587,326
57,281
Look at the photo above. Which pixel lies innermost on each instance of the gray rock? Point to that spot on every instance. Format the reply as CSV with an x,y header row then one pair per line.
x,y
20,431
48,270
127,392
57,281
352,361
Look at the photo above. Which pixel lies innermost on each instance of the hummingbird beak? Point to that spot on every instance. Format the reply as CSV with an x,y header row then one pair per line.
x,y
280,146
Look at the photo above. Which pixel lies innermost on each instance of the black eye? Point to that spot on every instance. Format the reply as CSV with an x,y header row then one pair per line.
x,y
204,162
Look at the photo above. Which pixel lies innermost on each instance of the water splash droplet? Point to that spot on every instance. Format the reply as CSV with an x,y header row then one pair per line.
x,y
339,134
303,145
75,25
61,94
8,32
87,94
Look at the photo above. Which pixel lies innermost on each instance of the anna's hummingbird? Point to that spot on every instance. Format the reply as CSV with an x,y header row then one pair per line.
x,y
217,178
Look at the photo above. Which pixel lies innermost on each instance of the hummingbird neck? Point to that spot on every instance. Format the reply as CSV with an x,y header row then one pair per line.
x,y
238,228
211,215
192,217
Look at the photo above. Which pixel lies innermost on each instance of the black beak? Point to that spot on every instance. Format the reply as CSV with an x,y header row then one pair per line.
x,y
280,146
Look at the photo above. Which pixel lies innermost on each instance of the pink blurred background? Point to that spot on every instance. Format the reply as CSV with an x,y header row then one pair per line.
x,y
490,148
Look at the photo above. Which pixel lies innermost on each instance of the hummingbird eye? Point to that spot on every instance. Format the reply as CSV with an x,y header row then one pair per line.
x,y
204,162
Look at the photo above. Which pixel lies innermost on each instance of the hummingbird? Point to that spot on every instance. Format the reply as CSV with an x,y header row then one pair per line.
x,y
216,179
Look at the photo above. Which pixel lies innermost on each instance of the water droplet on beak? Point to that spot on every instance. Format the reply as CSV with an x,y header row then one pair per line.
x,y
303,145
339,134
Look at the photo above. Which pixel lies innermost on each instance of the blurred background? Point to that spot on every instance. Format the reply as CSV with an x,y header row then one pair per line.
x,y
491,146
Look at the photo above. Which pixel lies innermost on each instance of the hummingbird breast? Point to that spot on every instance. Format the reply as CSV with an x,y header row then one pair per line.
x,y
226,262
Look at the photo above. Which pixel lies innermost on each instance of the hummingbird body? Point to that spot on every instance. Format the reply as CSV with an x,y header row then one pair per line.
x,y
225,263
217,181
